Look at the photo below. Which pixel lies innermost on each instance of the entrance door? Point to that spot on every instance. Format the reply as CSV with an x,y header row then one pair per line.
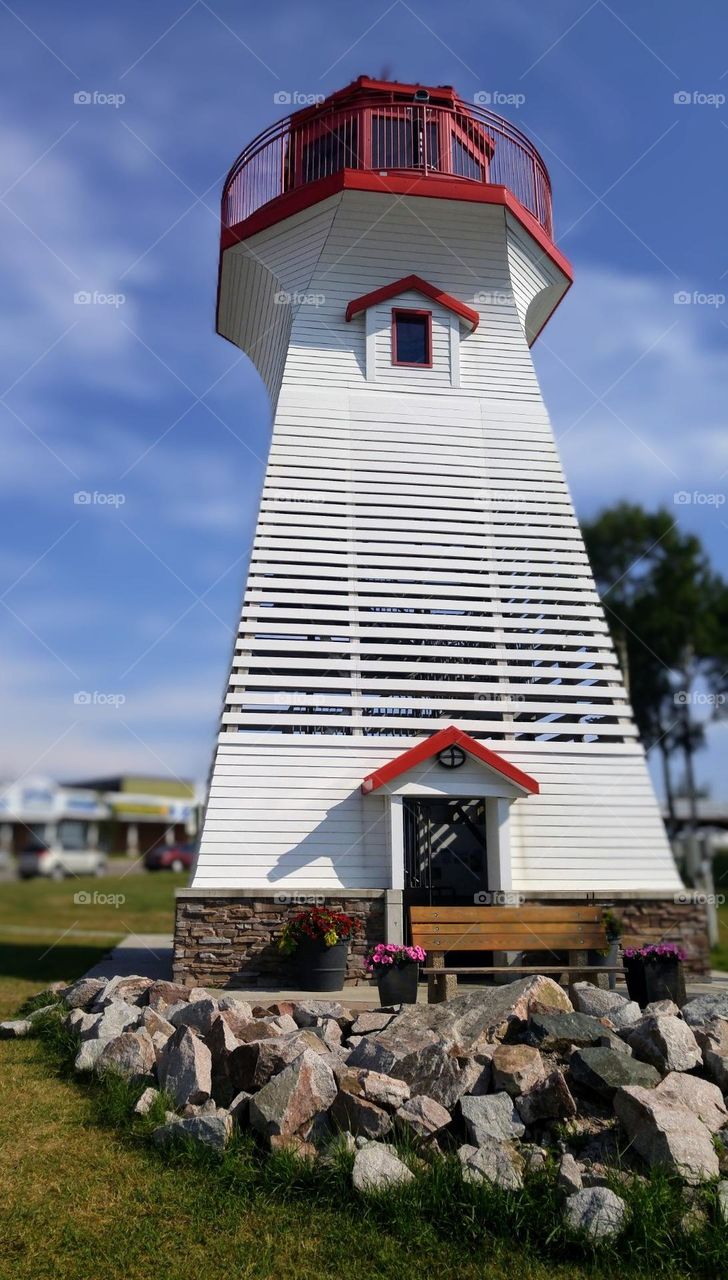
x,y
444,851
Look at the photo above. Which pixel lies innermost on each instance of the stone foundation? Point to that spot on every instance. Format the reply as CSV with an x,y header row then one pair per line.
x,y
228,938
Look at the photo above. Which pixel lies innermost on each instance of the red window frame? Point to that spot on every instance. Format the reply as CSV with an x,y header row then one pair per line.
x,y
411,364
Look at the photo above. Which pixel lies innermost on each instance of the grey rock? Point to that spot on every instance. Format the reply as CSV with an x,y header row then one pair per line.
x,y
164,996
239,1107
516,1067
353,1113
568,1179
666,1042
559,1030
221,1042
131,989
713,1041
145,1103
586,998
596,1212
722,1201
703,1008
253,1064
548,1099
626,1015
492,1116
200,1014
372,1020
306,1013
662,1008
493,1161
376,1168
421,1059
156,1023
208,1129
82,993
423,1117
116,1017
15,1028
612,1040
666,1133
704,1099
603,1070
130,1055
291,1105
42,1012
79,1022
89,1054
184,1068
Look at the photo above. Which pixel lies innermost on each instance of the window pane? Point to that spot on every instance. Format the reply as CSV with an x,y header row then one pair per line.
x,y
412,334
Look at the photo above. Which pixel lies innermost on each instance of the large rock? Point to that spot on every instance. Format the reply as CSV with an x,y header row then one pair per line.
x,y
704,1099
88,1055
713,1041
427,1064
548,1099
210,1129
586,998
79,1022
377,1168
290,1108
516,1068
596,1212
666,1042
665,1132
423,1117
493,1161
163,996
253,1064
372,1020
184,1068
559,1030
626,1015
703,1008
603,1070
82,993
130,1055
568,1179
132,989
477,1019
306,1013
221,1042
115,1018
492,1116
15,1028
146,1101
200,1015
366,1100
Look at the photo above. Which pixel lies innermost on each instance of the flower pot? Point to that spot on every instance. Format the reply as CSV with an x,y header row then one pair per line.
x,y
665,979
397,983
634,972
610,958
318,967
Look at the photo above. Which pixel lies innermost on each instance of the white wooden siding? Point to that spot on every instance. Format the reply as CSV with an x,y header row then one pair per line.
x,y
417,562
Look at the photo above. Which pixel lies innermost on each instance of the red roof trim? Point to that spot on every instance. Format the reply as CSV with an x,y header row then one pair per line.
x,y
446,738
431,291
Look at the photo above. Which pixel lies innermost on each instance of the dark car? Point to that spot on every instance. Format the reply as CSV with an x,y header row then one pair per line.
x,y
170,857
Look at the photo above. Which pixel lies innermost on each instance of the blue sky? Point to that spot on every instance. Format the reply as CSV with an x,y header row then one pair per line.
x,y
134,397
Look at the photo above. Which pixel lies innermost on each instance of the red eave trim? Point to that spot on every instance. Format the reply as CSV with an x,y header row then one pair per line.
x,y
431,746
396,287
440,188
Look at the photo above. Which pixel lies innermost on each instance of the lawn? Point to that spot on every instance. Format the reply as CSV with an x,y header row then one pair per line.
x,y
46,936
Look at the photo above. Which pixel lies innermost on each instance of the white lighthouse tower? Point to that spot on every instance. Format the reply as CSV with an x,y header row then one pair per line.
x,y
424,703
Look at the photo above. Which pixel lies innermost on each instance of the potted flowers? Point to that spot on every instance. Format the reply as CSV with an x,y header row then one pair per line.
x,y
396,969
319,940
655,972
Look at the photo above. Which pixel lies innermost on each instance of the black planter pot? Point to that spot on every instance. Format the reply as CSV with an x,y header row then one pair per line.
x,y
634,972
320,968
665,980
398,983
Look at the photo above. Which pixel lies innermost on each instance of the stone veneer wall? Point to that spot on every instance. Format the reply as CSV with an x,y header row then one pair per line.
x,y
228,938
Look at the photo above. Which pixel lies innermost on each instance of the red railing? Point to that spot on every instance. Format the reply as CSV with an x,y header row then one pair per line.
x,y
468,144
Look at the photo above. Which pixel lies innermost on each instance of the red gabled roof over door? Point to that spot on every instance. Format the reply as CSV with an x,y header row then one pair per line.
x,y
452,736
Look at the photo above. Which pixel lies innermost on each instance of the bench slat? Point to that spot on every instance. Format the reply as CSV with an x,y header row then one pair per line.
x,y
505,915
512,941
528,968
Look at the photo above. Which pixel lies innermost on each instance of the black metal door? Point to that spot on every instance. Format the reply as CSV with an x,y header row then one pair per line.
x,y
444,851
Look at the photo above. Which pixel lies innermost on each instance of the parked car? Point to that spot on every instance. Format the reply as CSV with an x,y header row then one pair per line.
x,y
59,854
170,857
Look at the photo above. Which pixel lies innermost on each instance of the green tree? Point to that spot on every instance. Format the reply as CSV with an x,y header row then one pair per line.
x,y
668,613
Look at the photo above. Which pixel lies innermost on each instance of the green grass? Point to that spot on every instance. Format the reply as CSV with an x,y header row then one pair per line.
x,y
46,937
719,954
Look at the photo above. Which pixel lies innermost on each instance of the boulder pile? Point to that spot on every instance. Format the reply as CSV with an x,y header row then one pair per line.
x,y
507,1078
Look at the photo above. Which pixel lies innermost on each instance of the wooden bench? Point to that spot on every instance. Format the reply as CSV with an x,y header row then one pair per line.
x,y
574,929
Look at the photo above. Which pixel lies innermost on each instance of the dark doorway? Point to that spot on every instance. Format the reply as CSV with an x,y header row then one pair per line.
x,y
444,851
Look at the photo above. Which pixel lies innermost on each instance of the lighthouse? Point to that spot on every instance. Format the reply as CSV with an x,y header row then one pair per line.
x,y
424,703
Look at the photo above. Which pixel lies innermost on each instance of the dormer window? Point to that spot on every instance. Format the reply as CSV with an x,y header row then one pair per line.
x,y
412,338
